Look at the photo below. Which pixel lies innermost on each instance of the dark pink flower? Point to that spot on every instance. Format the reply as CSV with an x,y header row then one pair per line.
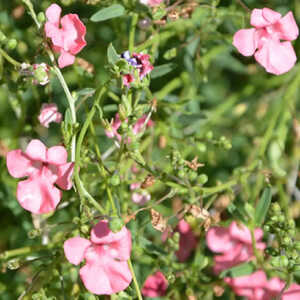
x,y
112,132
44,168
67,34
265,40
187,241
234,243
49,113
106,270
155,285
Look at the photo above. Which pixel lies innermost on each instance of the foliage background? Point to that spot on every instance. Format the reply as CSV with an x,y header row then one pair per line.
x,y
209,88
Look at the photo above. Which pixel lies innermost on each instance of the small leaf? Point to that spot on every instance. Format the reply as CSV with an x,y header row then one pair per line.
x,y
162,70
112,54
263,206
113,11
240,270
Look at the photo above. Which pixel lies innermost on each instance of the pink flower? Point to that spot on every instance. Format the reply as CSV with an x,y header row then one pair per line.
x,y
49,113
67,34
155,285
106,270
187,241
151,2
234,243
116,123
257,287
139,198
264,40
44,168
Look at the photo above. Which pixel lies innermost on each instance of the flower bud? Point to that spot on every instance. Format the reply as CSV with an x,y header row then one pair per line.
x,y
202,179
116,224
13,264
41,17
283,261
3,37
11,44
115,180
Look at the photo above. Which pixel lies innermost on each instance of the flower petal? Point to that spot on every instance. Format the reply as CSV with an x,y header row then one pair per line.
x,y
245,42
65,173
155,285
257,18
53,14
292,293
288,28
240,232
218,239
103,275
38,195
57,155
36,150
65,59
75,248
277,58
17,163
270,15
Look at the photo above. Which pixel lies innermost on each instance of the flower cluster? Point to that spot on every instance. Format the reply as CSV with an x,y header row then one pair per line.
x,y
106,270
234,243
67,34
264,40
44,168
140,62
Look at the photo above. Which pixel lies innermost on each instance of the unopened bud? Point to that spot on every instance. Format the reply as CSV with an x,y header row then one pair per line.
x,y
116,224
12,44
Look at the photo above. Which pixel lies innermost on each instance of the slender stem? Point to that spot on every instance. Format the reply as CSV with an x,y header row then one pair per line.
x,y
72,108
32,13
9,58
134,21
244,5
111,200
136,285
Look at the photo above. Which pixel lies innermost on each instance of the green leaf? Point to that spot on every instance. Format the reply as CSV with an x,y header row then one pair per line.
x,y
263,206
240,270
162,70
112,54
113,11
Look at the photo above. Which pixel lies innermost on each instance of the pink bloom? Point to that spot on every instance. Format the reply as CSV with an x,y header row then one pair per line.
x,y
116,123
44,168
151,2
257,287
139,198
234,243
264,40
67,34
49,113
127,79
187,241
155,285
106,270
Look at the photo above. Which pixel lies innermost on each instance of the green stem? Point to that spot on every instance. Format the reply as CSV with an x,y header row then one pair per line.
x,y
20,251
134,21
71,102
9,58
255,251
32,13
136,285
111,201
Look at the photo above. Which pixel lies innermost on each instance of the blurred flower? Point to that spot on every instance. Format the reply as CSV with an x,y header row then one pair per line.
x,y
141,197
112,131
49,113
106,270
41,73
264,40
234,243
141,62
67,34
155,285
257,287
44,168
151,2
187,241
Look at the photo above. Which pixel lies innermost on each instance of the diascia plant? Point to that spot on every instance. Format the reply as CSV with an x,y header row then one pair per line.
x,y
145,154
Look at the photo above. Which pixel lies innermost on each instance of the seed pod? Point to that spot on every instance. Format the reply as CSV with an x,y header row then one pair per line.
x,y
158,221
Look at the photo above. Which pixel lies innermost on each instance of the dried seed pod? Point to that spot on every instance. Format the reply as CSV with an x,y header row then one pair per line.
x,y
158,221
149,181
84,64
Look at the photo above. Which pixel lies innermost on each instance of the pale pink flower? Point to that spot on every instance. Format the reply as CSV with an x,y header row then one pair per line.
x,y
257,287
44,168
141,197
187,241
112,132
67,34
265,40
106,270
151,2
49,113
234,243
155,285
